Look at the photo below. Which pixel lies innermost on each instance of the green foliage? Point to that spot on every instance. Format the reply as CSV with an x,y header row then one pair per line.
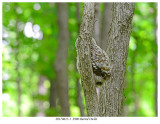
x,y
140,88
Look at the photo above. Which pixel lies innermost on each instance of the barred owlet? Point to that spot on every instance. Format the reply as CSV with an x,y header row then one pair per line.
x,y
100,64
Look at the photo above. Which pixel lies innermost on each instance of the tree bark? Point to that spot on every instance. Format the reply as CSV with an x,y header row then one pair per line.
x,y
111,96
97,24
83,56
106,23
60,62
110,102
79,97
52,97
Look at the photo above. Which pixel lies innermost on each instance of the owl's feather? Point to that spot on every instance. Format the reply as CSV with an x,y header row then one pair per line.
x,y
100,63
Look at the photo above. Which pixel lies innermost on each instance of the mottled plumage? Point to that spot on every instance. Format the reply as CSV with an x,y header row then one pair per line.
x,y
100,63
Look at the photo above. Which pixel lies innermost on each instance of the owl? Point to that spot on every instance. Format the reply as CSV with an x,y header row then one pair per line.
x,y
100,64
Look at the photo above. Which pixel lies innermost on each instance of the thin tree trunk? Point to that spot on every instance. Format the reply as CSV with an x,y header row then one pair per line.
x,y
84,59
96,33
78,14
133,83
60,62
106,23
111,96
134,95
156,85
18,88
52,97
155,72
41,91
79,97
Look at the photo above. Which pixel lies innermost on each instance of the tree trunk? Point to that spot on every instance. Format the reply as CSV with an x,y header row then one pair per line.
x,y
18,87
79,97
156,85
110,101
41,91
155,72
78,14
111,94
84,59
106,23
134,94
52,97
60,62
97,24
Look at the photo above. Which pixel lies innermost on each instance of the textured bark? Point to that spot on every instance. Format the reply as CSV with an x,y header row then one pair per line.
x,y
83,55
106,23
79,97
111,96
96,33
52,97
60,62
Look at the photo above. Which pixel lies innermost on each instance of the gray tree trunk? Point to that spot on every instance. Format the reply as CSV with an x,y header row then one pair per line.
x,y
155,72
156,85
111,95
60,64
106,23
52,97
83,56
110,101
97,32
79,97
78,14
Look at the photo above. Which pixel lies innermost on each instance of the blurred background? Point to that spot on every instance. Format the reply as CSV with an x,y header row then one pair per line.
x,y
30,44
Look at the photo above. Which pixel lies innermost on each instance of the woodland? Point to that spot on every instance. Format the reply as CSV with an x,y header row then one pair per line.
x,y
39,74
